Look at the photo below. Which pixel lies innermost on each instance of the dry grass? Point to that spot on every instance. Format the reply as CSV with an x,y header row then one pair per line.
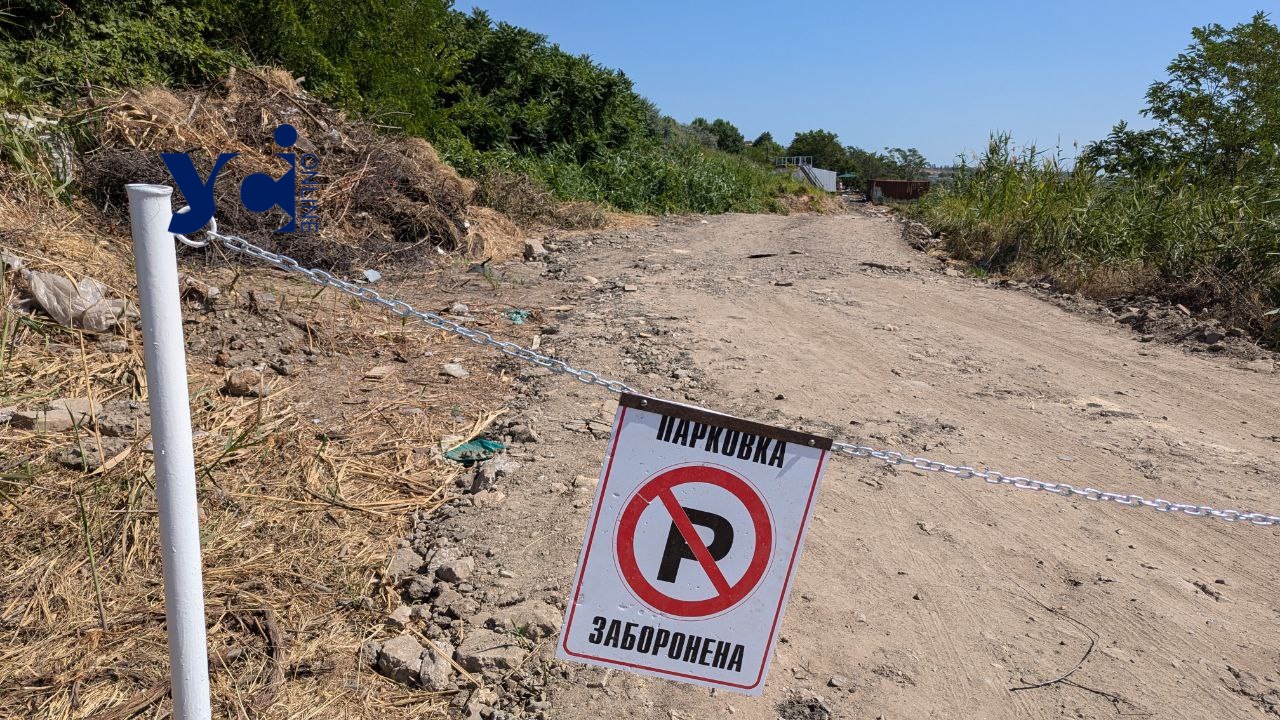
x,y
530,204
303,494
492,235
383,198
812,202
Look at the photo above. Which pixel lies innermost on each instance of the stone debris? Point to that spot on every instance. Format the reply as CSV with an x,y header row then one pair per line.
x,y
400,617
245,382
919,236
124,419
198,290
1212,336
440,557
403,563
419,588
401,659
59,415
85,454
451,603
488,498
534,250
484,650
456,571
436,674
369,651
489,472
521,433
533,619
381,372
263,301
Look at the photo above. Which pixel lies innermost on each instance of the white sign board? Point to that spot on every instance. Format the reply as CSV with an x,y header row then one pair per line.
x,y
691,545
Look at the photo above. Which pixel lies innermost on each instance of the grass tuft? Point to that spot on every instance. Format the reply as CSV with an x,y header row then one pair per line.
x,y
1210,243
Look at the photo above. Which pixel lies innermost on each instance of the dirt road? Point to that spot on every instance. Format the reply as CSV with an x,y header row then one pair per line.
x,y
922,596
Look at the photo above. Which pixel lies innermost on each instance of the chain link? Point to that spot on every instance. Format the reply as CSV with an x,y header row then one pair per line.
x,y
401,308
1061,489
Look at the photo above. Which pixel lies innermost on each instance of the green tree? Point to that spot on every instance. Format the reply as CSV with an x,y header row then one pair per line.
x,y
1219,109
52,51
823,146
764,148
515,90
906,164
727,136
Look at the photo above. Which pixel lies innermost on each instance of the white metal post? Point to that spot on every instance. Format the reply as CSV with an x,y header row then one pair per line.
x,y
155,257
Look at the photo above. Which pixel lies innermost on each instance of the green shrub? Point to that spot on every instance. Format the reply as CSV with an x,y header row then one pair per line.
x,y
50,51
1171,232
492,97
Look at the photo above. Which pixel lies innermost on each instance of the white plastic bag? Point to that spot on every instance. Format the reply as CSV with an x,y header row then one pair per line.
x,y
82,305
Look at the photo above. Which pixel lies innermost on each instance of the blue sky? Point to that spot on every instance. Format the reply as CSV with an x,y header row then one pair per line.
x,y
938,76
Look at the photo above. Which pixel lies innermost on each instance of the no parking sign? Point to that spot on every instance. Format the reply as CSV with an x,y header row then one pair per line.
x,y
691,545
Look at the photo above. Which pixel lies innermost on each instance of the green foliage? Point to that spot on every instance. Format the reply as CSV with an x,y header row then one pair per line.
x,y
727,136
387,58
1170,232
515,90
1188,209
1219,109
764,148
827,152
50,50
823,146
649,178
893,163
492,97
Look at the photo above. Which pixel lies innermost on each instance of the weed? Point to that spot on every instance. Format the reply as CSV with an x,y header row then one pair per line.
x,y
1185,237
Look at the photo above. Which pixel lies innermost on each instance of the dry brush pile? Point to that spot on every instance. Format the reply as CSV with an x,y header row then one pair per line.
x,y
383,197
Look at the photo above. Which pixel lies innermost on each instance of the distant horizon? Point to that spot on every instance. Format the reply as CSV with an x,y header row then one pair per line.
x,y
940,78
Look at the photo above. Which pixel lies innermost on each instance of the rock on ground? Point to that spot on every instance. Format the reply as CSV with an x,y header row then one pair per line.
x,y
419,588
436,673
403,563
454,370
483,650
87,455
401,659
245,382
489,472
533,619
59,415
457,570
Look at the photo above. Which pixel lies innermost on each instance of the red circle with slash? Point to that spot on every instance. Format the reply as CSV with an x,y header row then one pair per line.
x,y
659,488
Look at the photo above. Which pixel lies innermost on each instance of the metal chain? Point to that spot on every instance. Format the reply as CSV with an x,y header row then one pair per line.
x,y
1061,489
479,337
402,309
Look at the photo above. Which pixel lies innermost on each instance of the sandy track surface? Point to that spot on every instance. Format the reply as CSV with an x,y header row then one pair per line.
x,y
924,595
